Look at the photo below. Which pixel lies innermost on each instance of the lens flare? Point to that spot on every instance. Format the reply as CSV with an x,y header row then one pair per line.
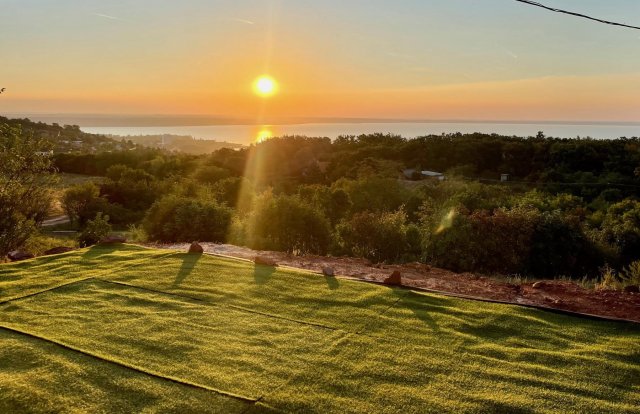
x,y
446,221
264,134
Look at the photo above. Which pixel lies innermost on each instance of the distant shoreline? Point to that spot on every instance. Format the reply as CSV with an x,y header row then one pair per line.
x,y
101,120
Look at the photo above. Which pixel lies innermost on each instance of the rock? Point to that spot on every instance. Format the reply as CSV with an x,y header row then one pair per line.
x,y
58,250
113,239
394,279
540,285
18,255
265,261
196,248
632,289
328,271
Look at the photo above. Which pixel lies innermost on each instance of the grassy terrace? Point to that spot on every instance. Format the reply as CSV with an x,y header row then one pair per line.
x,y
137,330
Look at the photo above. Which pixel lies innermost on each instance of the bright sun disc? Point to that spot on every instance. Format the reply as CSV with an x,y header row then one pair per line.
x,y
265,86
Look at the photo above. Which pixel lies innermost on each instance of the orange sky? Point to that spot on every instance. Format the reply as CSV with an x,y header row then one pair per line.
x,y
331,60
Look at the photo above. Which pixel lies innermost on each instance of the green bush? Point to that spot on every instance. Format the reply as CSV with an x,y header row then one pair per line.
x,y
287,223
379,236
94,231
497,242
180,219
559,246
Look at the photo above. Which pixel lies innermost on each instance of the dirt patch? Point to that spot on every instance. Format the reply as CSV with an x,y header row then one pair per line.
x,y
561,295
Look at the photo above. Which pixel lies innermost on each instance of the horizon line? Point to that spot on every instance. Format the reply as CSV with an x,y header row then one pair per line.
x,y
212,119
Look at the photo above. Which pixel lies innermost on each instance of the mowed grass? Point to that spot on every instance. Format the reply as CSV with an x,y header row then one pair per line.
x,y
128,329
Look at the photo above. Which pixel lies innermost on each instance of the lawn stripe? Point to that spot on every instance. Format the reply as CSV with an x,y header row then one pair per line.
x,y
16,298
126,266
221,305
361,331
130,366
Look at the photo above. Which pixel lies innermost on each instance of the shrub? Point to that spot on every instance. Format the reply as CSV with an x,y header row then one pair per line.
x,y
376,236
559,246
180,219
631,274
94,231
497,242
620,228
287,223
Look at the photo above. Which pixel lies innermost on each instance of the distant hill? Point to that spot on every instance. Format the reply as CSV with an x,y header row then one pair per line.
x,y
69,138
179,143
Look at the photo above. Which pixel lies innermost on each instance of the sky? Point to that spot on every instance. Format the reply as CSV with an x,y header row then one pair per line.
x,y
392,59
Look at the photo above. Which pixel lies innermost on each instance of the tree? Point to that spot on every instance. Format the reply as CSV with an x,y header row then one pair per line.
x,y
287,223
25,178
95,230
82,202
181,219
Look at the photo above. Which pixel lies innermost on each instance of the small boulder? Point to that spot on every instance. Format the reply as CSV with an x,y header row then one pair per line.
x,y
540,285
18,255
265,261
196,248
395,279
113,239
632,289
58,250
328,271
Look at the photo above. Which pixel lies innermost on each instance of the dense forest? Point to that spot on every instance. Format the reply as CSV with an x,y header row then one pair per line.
x,y
566,207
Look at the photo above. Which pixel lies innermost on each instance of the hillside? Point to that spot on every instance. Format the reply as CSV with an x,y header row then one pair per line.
x,y
64,139
132,329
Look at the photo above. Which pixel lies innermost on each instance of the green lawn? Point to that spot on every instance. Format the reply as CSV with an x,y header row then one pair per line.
x,y
129,329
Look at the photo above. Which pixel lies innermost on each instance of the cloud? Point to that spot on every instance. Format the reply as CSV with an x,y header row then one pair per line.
x,y
510,53
235,19
106,16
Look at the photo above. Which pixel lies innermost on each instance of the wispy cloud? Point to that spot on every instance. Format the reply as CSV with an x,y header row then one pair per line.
x,y
106,16
510,53
235,19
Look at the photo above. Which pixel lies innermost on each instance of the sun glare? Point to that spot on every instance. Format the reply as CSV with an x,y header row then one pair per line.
x,y
265,86
264,134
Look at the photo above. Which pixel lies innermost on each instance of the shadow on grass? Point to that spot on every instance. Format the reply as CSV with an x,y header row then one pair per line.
x,y
189,261
422,306
100,249
262,273
332,282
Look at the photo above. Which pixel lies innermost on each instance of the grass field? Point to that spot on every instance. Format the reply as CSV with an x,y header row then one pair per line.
x,y
129,329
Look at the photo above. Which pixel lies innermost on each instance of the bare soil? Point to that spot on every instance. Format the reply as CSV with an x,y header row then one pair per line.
x,y
562,295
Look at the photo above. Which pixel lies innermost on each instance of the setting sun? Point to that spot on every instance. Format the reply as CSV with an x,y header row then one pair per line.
x,y
265,86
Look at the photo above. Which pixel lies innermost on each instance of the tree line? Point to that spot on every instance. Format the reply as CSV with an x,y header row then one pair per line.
x,y
570,208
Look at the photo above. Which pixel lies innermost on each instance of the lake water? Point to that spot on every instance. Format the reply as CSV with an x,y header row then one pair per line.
x,y
246,134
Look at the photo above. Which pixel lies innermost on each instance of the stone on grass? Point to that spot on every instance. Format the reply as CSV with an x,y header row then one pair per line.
x,y
58,250
18,255
196,248
113,239
265,261
328,271
395,279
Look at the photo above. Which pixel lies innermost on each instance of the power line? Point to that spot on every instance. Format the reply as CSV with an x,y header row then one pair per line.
x,y
584,16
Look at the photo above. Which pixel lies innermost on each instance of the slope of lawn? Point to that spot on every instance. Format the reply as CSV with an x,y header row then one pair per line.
x,y
130,329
